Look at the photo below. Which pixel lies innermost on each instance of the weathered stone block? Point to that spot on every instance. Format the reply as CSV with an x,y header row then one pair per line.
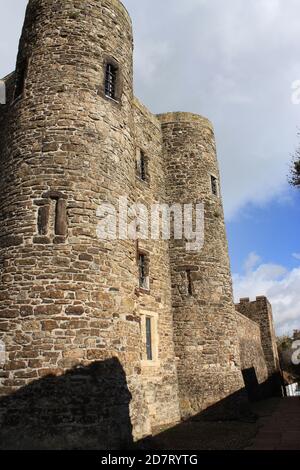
x,y
75,310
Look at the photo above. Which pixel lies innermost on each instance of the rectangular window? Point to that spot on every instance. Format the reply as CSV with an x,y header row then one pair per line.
x,y
214,185
143,271
111,81
149,339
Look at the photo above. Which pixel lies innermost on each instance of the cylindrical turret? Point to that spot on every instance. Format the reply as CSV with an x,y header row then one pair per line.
x,y
66,297
204,318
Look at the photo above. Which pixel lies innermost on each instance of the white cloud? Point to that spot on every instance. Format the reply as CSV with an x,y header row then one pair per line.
x,y
252,260
296,255
281,286
149,58
232,61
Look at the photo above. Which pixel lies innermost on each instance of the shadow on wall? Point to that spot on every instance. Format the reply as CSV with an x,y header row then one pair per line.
x,y
228,424
272,387
87,408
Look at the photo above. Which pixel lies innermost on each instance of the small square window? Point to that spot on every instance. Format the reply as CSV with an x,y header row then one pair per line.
x,y
214,185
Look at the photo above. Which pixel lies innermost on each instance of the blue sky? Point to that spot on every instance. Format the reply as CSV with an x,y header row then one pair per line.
x,y
270,230
265,256
241,59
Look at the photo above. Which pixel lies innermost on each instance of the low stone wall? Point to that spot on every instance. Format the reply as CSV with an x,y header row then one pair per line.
x,y
251,352
260,311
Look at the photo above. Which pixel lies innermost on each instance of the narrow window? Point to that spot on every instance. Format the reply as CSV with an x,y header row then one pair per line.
x,y
20,79
43,219
214,185
189,281
142,165
149,339
61,227
143,271
52,215
143,172
111,81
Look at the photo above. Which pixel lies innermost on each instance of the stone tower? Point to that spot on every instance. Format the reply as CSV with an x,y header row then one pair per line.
x,y
106,339
204,315
67,298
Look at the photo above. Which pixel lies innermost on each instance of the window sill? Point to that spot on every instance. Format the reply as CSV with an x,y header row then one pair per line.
x,y
150,364
112,99
141,290
144,182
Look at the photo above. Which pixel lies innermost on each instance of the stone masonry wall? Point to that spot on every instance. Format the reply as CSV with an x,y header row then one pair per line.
x,y
66,297
72,313
251,352
260,311
205,325
159,376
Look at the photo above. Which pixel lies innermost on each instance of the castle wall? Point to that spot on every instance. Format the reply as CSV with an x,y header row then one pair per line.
x,y
72,313
159,376
251,352
260,311
66,297
205,325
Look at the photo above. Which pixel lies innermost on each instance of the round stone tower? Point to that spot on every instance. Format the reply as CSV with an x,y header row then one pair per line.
x,y
67,297
204,317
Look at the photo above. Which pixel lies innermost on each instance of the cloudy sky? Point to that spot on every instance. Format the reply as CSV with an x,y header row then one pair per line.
x,y
234,62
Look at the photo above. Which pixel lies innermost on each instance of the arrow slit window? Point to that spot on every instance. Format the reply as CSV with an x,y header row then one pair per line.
x,y
214,185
